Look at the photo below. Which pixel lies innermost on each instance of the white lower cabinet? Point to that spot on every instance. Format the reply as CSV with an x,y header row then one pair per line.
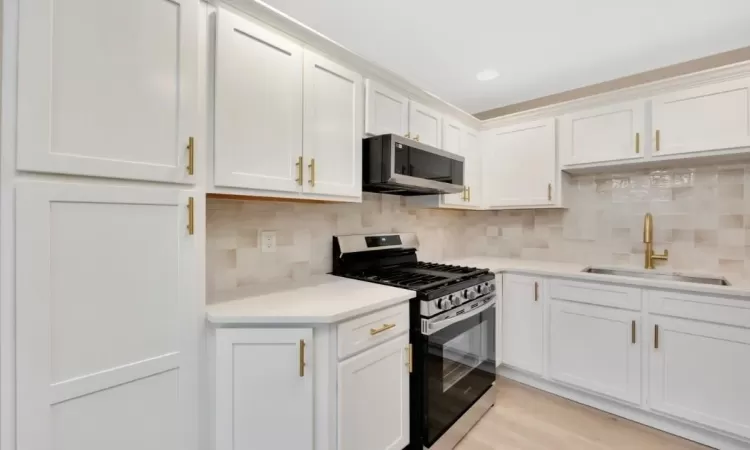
x,y
700,372
106,314
523,323
373,398
263,389
289,389
596,348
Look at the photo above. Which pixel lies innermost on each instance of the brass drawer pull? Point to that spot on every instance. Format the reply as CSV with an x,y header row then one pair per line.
x,y
191,216
311,166
658,140
637,142
385,327
299,171
191,155
410,361
301,358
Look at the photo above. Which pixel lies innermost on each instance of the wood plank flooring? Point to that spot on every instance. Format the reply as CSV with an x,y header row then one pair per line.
x,y
525,418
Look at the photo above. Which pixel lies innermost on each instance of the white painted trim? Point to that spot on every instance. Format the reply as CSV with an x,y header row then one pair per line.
x,y
643,91
688,431
128,373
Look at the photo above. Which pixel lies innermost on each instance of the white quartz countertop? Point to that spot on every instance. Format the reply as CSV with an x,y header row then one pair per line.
x,y
320,299
740,287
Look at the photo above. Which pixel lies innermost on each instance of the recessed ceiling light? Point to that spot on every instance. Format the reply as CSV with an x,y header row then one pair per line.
x,y
487,75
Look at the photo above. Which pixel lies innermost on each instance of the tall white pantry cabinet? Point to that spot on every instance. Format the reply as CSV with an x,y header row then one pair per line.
x,y
103,227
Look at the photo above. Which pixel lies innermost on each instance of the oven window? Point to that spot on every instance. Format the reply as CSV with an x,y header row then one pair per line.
x,y
459,367
462,354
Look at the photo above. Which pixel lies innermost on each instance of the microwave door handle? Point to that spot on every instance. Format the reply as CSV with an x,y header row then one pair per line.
x,y
472,313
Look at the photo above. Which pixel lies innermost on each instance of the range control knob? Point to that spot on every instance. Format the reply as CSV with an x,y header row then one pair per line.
x,y
444,303
492,287
472,294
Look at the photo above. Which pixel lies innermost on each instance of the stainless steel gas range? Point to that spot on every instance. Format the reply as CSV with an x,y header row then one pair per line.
x,y
452,330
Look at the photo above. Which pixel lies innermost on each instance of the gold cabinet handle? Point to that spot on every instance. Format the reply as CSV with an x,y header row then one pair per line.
x,y
536,291
468,194
385,327
637,142
311,166
299,171
191,156
656,336
191,215
407,135
301,358
632,331
658,140
409,358
416,138
463,197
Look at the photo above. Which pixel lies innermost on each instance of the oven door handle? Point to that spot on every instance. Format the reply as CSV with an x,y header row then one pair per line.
x,y
444,323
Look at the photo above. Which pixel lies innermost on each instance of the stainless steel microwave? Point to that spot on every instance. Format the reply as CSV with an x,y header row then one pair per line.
x,y
393,164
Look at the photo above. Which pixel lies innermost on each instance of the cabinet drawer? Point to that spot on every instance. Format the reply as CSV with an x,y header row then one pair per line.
x,y
622,297
706,308
364,332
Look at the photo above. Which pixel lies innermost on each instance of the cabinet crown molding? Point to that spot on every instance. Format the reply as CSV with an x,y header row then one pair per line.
x,y
639,92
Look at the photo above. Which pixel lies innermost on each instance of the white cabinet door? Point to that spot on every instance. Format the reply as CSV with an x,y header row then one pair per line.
x,y
523,322
596,348
373,398
264,389
520,165
712,117
425,125
333,128
611,133
473,168
701,372
386,111
468,142
107,87
107,318
258,107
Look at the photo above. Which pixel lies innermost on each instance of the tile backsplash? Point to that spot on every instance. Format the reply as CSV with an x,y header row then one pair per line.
x,y
701,215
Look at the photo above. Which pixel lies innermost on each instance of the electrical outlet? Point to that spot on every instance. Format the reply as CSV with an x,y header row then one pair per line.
x,y
267,241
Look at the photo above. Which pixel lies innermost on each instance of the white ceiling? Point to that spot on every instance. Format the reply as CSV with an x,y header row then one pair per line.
x,y
539,47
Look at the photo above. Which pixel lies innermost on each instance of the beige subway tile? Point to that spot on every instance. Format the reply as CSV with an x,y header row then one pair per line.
x,y
732,265
706,238
679,235
731,221
731,191
732,237
732,176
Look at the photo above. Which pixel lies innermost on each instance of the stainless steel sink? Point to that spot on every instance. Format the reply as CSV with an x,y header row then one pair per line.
x,y
658,276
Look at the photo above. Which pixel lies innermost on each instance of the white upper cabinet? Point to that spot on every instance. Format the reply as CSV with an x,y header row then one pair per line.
x,y
472,168
596,348
333,128
264,389
611,133
258,109
520,165
107,87
710,117
523,322
373,398
700,371
107,317
425,125
386,112
453,133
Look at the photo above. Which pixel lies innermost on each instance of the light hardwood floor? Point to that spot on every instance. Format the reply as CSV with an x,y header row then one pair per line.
x,y
525,418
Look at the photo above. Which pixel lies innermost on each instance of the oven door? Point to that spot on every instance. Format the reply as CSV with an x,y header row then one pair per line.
x,y
459,365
